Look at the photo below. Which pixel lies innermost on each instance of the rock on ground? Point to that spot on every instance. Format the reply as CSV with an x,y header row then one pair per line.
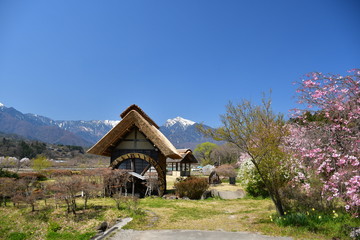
x,y
228,194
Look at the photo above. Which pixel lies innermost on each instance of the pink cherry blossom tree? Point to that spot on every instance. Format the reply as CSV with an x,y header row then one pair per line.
x,y
326,135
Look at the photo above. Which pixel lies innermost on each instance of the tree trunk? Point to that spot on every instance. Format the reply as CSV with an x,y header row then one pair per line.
x,y
279,207
85,201
74,211
274,193
275,197
68,205
73,206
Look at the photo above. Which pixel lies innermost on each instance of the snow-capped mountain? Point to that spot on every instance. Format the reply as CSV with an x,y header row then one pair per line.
x,y
184,123
40,120
91,131
33,126
1,105
36,127
183,133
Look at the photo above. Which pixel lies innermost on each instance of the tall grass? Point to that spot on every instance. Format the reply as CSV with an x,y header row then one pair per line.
x,y
335,224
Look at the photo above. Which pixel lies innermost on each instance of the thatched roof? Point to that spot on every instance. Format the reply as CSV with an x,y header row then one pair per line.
x,y
186,157
134,117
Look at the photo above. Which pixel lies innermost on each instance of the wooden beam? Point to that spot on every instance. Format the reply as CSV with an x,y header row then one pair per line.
x,y
145,169
133,187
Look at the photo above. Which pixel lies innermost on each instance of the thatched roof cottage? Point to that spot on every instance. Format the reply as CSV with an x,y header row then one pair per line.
x,y
136,144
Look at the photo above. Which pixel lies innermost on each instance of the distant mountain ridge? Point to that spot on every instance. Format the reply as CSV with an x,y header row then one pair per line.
x,y
181,132
91,131
36,127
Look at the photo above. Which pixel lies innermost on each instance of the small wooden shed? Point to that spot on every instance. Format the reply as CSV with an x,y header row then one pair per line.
x,y
182,167
137,144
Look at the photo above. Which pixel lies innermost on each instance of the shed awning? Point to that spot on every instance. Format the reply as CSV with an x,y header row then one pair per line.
x,y
186,157
137,175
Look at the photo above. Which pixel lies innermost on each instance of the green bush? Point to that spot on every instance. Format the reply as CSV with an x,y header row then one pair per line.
x,y
336,224
51,173
255,186
127,203
5,173
191,187
294,219
38,176
40,163
54,227
250,179
17,236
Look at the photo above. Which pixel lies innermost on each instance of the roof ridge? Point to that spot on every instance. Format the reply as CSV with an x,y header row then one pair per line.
x,y
136,108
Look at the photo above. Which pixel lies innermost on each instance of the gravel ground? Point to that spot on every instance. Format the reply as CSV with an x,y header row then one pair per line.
x,y
188,235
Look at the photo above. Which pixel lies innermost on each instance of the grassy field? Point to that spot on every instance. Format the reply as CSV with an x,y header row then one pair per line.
x,y
248,215
19,222
251,215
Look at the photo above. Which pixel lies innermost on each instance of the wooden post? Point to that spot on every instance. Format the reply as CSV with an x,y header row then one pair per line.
x,y
132,165
133,187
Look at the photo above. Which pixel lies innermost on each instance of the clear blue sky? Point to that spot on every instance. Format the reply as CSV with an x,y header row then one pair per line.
x,y
87,60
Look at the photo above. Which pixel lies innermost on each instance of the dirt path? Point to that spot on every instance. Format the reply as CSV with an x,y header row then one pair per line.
x,y
189,235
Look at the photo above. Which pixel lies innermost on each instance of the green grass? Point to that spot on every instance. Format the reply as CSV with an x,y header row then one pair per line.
x,y
248,214
17,236
186,213
156,202
332,224
69,236
51,223
251,215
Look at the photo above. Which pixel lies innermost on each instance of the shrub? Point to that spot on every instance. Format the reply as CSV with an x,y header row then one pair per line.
x,y
226,170
54,227
44,214
66,190
115,181
40,163
5,173
17,236
251,180
339,225
57,173
298,198
128,203
256,187
191,187
38,176
294,219
6,189
9,162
